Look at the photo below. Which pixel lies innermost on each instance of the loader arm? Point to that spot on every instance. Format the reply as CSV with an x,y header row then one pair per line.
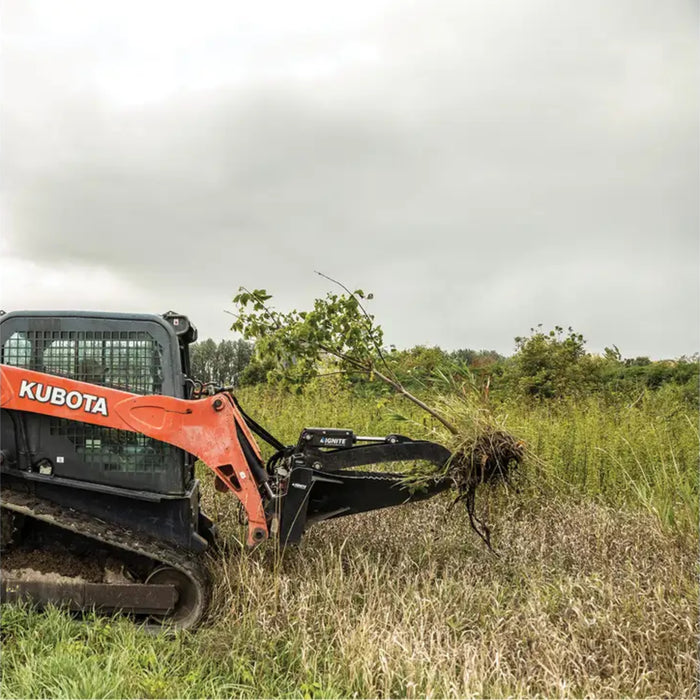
x,y
211,428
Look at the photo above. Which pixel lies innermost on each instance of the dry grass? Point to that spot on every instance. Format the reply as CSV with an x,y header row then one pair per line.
x,y
582,600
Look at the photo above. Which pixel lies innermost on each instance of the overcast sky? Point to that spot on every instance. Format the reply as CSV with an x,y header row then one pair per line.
x,y
481,166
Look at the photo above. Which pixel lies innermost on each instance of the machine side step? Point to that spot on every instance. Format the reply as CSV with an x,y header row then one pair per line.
x,y
136,598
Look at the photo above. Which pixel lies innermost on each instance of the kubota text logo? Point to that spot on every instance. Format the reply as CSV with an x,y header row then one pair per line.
x,y
75,400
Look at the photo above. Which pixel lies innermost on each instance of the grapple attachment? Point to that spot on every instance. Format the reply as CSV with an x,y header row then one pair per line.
x,y
315,480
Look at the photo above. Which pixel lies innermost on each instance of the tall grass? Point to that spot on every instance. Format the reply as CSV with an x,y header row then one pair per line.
x,y
640,457
593,592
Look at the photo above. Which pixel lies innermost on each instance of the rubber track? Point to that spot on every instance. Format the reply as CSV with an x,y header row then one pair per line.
x,y
120,538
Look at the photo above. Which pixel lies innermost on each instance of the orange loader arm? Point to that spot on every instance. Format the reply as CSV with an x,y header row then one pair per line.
x,y
206,427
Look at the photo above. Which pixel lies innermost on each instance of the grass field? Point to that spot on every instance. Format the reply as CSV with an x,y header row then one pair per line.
x,y
594,590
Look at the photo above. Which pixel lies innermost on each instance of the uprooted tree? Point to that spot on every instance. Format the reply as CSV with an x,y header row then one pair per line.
x,y
339,335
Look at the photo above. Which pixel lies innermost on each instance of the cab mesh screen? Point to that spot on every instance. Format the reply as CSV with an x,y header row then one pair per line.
x,y
126,360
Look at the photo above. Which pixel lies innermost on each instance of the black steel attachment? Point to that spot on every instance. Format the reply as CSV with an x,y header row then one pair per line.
x,y
316,481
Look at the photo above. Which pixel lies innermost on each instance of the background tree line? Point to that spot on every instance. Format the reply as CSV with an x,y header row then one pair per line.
x,y
545,365
223,363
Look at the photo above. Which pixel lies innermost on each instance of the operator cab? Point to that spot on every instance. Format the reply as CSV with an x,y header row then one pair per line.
x,y
138,353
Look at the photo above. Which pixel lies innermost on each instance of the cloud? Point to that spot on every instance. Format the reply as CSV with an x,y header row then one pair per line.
x,y
482,168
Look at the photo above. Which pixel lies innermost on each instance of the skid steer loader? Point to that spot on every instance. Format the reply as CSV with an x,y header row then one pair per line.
x,y
101,424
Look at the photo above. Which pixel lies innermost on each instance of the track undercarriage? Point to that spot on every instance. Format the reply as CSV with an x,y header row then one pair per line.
x,y
60,556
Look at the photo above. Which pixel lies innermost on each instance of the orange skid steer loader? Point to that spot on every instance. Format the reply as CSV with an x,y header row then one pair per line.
x,y
101,424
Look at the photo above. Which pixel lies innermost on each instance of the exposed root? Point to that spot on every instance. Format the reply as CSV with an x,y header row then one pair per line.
x,y
488,458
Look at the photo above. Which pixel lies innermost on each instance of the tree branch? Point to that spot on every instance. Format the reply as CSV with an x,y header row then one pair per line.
x,y
267,311
395,385
370,325
417,401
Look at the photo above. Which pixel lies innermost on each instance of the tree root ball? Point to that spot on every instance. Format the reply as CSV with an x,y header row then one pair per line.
x,y
487,459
